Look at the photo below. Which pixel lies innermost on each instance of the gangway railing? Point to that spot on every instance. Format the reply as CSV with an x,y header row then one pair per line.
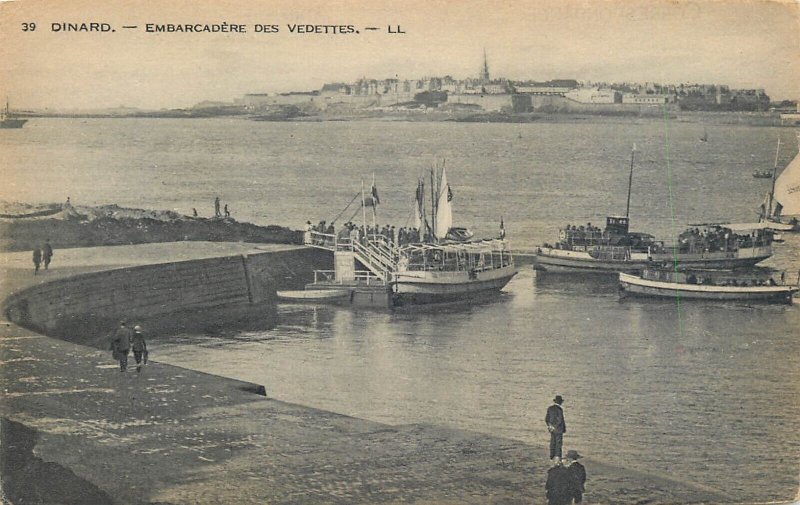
x,y
321,240
377,255
372,257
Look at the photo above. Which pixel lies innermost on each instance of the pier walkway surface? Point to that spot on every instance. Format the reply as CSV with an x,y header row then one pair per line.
x,y
76,430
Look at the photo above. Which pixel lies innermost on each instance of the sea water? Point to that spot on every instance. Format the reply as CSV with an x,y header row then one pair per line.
x,y
699,390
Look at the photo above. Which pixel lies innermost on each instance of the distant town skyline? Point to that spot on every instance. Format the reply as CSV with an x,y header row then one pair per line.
x,y
740,44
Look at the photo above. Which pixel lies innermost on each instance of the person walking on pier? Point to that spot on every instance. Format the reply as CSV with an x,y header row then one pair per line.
x,y
556,425
227,212
216,207
139,347
37,260
121,345
559,487
47,253
577,473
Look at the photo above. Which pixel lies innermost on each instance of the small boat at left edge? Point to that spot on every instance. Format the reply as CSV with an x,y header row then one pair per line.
x,y
7,120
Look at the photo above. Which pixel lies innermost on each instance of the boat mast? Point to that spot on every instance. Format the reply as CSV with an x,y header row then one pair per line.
x,y
630,181
775,167
433,203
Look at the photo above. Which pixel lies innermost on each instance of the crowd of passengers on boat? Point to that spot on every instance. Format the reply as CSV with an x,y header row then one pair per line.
x,y
720,238
708,279
573,236
350,231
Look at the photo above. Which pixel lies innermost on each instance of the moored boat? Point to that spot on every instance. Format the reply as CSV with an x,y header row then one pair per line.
x,y
435,263
589,249
700,286
7,120
614,249
314,295
447,272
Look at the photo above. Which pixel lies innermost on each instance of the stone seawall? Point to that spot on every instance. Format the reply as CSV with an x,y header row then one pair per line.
x,y
175,295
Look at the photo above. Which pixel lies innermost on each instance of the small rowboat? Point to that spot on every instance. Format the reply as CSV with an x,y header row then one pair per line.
x,y
633,285
314,295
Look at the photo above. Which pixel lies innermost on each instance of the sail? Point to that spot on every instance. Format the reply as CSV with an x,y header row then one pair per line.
x,y
444,211
787,189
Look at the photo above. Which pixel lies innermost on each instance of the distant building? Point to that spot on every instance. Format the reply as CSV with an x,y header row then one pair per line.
x,y
594,95
488,102
646,99
555,87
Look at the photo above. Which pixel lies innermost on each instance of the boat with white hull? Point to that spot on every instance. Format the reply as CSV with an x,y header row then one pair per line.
x,y
454,272
603,253
647,286
440,263
588,249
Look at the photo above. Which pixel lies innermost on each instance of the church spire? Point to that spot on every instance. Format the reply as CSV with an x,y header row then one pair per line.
x,y
485,71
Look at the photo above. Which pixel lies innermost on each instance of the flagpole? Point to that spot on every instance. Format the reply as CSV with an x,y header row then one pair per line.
x,y
374,204
363,210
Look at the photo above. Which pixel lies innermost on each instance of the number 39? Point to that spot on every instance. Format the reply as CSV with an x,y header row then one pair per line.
x,y
28,27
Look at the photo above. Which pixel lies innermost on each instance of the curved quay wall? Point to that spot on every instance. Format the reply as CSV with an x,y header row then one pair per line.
x,y
233,290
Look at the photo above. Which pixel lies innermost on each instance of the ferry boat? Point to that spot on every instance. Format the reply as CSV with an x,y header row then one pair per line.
x,y
703,286
444,265
616,249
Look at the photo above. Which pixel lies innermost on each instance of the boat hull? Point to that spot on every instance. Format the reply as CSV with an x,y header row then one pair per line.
x,y
563,261
12,123
631,285
314,295
416,288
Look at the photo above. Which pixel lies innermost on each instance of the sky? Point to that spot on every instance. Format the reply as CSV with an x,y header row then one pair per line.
x,y
745,44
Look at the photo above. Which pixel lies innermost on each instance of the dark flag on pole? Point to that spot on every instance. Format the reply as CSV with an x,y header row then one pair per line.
x,y
449,194
502,228
372,200
375,195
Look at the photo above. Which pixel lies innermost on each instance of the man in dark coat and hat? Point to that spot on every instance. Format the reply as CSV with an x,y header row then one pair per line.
x,y
47,253
559,487
577,473
37,260
556,426
121,345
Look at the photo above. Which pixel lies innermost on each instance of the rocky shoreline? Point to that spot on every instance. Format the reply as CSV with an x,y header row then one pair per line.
x,y
25,226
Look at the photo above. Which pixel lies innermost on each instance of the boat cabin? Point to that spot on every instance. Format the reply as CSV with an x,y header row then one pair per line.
x,y
471,256
615,234
617,225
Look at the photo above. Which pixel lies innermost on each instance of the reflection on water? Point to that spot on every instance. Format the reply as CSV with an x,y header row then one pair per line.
x,y
575,284
658,386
